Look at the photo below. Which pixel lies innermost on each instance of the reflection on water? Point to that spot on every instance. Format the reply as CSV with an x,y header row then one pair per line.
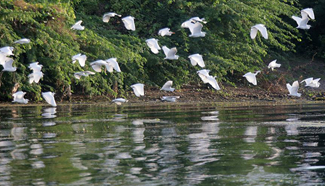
x,y
173,144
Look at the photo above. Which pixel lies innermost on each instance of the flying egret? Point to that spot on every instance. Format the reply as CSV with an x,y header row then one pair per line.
x,y
129,23
77,26
7,66
170,98
204,74
35,67
112,64
108,15
23,41
261,28
78,75
273,65
195,28
170,53
81,58
19,97
165,32
49,98
305,15
138,89
293,90
7,51
251,77
97,65
35,77
119,101
213,82
153,45
168,86
196,59
310,82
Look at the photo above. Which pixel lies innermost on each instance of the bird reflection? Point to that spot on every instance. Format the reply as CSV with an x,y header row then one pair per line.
x,y
49,112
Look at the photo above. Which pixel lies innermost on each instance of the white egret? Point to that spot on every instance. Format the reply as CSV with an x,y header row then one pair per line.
x,y
77,26
19,97
112,64
213,82
108,15
204,74
170,98
23,41
251,77
35,77
7,66
129,23
81,58
196,59
168,86
305,15
195,28
273,65
310,82
138,89
78,75
293,90
97,65
170,53
119,101
35,67
49,98
7,51
153,45
261,28
165,32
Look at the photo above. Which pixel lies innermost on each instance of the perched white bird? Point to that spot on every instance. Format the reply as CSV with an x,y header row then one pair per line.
x,y
81,58
77,26
251,77
168,86
19,97
273,65
119,101
153,45
7,66
35,77
213,82
261,28
293,90
78,75
195,28
129,23
138,89
23,41
305,15
97,65
112,65
49,98
170,98
170,53
310,82
108,15
196,59
35,67
7,51
204,74
165,32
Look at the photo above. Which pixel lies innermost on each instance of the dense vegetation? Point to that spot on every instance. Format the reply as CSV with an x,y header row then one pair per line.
x,y
227,48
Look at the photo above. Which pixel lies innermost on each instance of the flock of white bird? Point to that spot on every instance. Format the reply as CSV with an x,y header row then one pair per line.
x,y
194,24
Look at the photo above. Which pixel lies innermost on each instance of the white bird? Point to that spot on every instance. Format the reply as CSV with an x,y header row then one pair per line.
x,y
196,59
119,101
81,58
77,26
170,53
108,15
168,86
195,28
273,65
4,59
35,67
165,32
35,77
310,82
305,15
293,90
49,98
204,74
7,66
129,23
197,19
261,28
23,41
7,51
97,65
138,89
153,45
112,64
78,75
251,77
170,98
213,82
19,97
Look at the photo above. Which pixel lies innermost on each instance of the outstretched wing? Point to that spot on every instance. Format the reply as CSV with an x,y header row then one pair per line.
x,y
113,63
307,12
262,29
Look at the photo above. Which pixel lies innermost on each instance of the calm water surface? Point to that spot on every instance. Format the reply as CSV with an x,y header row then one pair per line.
x,y
196,144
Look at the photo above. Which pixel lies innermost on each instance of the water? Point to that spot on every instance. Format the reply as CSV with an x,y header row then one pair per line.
x,y
170,144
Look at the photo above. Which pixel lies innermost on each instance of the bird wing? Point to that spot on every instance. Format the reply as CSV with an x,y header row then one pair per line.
x,y
129,23
166,50
297,19
163,31
77,75
82,60
167,85
195,28
97,68
49,98
289,87
19,95
172,52
251,78
253,32
8,64
294,88
307,81
113,63
199,60
213,82
153,45
307,12
139,87
89,72
262,29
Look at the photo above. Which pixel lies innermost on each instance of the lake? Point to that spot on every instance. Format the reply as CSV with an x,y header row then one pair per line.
x,y
168,144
